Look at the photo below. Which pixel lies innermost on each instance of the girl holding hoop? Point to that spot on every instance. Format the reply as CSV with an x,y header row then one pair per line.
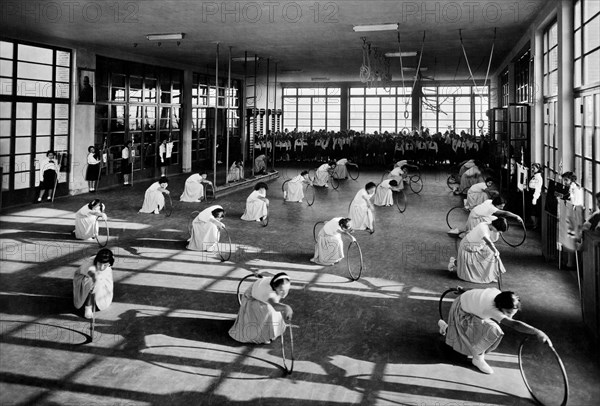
x,y
295,187
154,200
361,208
86,226
474,322
257,203
322,174
478,258
329,248
194,188
262,317
49,168
206,229
93,169
383,194
94,281
341,171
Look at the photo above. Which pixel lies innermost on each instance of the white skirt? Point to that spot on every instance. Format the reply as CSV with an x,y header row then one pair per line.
x,y
86,227
295,192
340,172
205,236
383,197
362,217
329,249
153,199
193,192
255,210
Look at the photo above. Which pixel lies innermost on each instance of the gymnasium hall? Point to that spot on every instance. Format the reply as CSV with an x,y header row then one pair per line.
x,y
276,202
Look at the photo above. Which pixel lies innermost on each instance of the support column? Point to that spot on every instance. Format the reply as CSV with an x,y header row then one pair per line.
x,y
566,101
186,126
537,136
344,108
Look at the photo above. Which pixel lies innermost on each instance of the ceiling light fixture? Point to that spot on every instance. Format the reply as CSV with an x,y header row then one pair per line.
x,y
243,59
375,27
406,68
319,79
165,37
398,54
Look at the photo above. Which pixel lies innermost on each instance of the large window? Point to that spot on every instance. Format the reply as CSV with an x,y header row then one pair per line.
x,y
312,109
522,78
379,109
504,89
586,26
34,111
140,103
458,108
550,47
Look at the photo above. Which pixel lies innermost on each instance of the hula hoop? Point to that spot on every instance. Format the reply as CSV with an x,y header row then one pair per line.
x,y
351,172
480,124
309,194
223,254
400,198
209,197
169,207
452,182
354,270
406,114
315,233
457,209
520,242
416,184
289,370
105,221
240,291
335,183
562,369
191,222
93,319
456,291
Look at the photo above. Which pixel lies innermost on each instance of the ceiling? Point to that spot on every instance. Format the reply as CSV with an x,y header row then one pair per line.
x,y
314,37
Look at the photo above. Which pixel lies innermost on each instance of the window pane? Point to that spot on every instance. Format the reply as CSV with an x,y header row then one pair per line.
x,y
590,8
43,127
591,73
34,54
591,35
6,49
34,71
289,91
21,180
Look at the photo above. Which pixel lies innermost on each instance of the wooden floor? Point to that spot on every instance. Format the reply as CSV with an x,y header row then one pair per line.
x,y
164,339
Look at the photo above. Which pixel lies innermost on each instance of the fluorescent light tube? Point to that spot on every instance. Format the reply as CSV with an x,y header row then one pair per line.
x,y
165,37
375,27
398,54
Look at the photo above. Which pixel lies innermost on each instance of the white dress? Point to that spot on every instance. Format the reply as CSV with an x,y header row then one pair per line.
x,y
256,208
322,175
361,215
476,195
234,173
476,261
194,189
341,171
153,199
398,175
329,248
205,233
383,194
295,189
83,285
86,225
483,212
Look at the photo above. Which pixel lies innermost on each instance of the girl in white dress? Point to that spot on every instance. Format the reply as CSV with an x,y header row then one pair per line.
x,y
194,188
262,317
329,248
361,208
257,203
86,225
323,173
295,187
383,194
341,171
94,277
154,200
206,229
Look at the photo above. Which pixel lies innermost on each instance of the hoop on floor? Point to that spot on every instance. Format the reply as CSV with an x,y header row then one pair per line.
x,y
400,200
168,207
457,217
317,228
224,252
354,260
191,222
309,194
516,237
101,240
209,193
288,365
416,184
335,183
353,171
244,284
543,372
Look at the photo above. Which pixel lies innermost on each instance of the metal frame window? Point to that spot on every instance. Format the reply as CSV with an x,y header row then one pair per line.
x,y
504,89
586,22
34,110
455,108
312,109
522,86
381,110
550,51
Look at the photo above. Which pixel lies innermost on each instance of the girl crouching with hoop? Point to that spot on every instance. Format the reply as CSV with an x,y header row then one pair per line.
x,y
262,317
86,226
206,229
257,203
329,247
93,283
361,208
154,200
